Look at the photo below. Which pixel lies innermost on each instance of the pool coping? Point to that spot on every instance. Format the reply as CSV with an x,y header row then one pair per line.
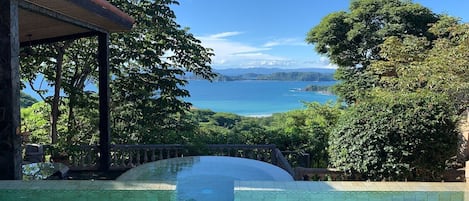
x,y
87,185
323,186
331,186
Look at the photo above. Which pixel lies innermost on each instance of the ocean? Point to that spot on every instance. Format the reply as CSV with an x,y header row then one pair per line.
x,y
253,97
247,97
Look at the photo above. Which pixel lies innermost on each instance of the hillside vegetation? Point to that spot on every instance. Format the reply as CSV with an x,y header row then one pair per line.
x,y
280,76
402,83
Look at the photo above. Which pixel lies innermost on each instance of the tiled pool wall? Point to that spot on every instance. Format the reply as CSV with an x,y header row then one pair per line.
x,y
86,191
348,196
350,191
243,191
86,195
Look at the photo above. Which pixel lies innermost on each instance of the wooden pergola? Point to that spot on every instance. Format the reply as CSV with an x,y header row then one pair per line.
x,y
31,22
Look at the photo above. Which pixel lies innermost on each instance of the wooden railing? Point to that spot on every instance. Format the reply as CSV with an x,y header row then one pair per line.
x,y
297,159
85,157
282,162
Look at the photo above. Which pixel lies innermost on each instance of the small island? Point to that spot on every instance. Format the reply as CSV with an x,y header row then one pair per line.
x,y
325,89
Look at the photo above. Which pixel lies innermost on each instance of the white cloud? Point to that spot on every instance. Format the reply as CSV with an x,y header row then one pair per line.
x,y
225,34
271,63
324,59
231,53
323,62
284,42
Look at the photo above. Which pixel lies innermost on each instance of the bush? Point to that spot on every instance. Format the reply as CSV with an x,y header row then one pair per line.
x,y
307,131
395,137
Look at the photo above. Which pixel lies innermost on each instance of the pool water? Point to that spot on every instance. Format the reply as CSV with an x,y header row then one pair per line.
x,y
224,178
206,178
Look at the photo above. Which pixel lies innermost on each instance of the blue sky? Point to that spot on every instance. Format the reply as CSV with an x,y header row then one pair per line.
x,y
271,33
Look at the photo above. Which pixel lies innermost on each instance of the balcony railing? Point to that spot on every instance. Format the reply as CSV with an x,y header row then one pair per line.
x,y
85,157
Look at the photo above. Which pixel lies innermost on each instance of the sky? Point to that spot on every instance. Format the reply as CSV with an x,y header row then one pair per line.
x,y
271,33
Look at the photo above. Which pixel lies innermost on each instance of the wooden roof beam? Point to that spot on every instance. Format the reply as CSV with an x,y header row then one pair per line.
x,y
55,15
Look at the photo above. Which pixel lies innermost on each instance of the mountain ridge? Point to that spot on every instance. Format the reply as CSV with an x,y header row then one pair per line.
x,y
259,70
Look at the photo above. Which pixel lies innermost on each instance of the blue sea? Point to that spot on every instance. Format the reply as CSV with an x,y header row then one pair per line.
x,y
253,97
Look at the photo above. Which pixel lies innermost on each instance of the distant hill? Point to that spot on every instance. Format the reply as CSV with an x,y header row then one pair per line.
x,y
26,100
241,71
280,76
299,74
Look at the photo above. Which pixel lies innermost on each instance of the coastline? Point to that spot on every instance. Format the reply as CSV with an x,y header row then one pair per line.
x,y
257,115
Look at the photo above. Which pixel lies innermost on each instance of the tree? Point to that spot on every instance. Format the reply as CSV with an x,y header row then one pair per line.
x,y
396,136
227,120
306,131
35,122
48,60
414,63
351,39
147,66
404,68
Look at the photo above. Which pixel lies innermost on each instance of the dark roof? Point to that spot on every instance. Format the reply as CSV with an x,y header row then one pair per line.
x,y
46,19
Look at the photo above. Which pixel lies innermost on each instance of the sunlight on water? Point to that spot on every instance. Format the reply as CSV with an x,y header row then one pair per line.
x,y
254,98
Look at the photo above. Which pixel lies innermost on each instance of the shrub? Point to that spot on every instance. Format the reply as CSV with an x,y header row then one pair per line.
x,y
395,136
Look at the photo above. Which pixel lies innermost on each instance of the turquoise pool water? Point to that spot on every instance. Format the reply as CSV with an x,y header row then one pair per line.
x,y
224,178
206,178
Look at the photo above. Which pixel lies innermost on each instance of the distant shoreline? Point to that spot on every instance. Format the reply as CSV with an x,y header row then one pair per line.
x,y
277,76
257,115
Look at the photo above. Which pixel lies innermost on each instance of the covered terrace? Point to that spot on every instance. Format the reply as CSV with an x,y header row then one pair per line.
x,y
31,22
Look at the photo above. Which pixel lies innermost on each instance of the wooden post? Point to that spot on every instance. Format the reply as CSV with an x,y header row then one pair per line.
x,y
466,172
104,98
10,139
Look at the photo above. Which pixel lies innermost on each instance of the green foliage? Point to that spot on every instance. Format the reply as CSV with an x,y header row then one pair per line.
x,y
35,121
147,64
403,70
351,39
414,63
300,131
405,78
319,88
297,76
307,130
26,100
66,67
396,136
283,76
227,120
228,128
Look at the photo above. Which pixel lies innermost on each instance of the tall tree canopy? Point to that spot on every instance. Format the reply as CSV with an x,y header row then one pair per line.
x,y
404,71
351,39
147,64
414,63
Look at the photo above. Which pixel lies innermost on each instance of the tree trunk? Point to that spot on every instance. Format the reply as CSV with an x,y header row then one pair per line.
x,y
58,84
71,118
77,81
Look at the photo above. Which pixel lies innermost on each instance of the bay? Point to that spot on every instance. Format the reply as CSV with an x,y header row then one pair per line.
x,y
254,97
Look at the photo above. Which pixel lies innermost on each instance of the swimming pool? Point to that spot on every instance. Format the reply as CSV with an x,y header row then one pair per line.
x,y
224,178
206,177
